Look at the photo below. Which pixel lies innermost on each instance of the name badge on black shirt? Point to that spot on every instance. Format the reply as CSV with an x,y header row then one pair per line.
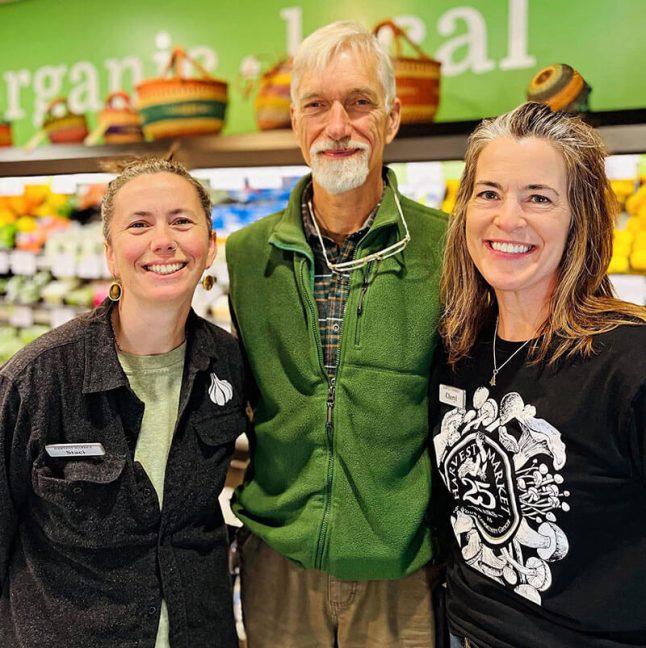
x,y
453,396
75,450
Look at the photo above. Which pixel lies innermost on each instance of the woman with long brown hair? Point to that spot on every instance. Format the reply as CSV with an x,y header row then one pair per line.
x,y
543,416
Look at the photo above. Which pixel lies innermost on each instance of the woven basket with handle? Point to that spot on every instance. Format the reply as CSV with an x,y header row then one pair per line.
x,y
118,122
273,99
180,106
560,87
418,78
63,126
121,121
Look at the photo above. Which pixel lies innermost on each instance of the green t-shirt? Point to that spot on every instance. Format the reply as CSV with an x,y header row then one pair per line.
x,y
156,380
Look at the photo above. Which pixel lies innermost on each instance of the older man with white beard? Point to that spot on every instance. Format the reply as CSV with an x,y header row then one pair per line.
x,y
335,300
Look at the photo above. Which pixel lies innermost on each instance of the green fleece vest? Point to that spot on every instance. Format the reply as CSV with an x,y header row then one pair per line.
x,y
340,478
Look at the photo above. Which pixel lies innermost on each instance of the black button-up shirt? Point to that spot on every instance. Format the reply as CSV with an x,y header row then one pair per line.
x,y
86,555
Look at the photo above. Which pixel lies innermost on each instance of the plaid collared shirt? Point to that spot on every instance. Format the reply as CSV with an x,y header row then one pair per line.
x,y
331,288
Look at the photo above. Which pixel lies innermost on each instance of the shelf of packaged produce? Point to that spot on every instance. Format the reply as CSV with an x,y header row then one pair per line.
x,y
622,131
52,315
26,315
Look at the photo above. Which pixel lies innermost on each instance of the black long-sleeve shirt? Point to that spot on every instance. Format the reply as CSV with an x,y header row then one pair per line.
x,y
86,555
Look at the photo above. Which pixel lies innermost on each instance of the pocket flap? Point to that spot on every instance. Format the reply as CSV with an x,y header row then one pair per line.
x,y
103,471
221,429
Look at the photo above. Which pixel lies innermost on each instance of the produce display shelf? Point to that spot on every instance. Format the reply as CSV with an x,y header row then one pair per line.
x,y
623,132
23,315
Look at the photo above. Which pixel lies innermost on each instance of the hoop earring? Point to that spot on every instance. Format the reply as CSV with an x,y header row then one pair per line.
x,y
115,290
208,281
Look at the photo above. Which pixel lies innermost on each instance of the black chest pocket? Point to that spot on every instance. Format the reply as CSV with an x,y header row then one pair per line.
x,y
80,502
222,429
215,440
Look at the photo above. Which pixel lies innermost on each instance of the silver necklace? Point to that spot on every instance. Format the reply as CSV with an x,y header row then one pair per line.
x,y
496,368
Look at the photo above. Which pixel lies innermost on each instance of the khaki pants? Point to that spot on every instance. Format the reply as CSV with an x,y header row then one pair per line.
x,y
285,606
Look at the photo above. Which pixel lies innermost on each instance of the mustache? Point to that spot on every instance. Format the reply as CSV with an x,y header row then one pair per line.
x,y
337,145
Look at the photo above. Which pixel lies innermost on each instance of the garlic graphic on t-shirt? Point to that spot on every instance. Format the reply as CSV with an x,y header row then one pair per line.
x,y
220,391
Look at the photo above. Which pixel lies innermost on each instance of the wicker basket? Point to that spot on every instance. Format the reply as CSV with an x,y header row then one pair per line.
x,y
273,99
120,122
560,87
179,106
62,126
418,79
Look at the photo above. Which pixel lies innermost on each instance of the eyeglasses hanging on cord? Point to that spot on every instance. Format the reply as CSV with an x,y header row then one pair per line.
x,y
356,264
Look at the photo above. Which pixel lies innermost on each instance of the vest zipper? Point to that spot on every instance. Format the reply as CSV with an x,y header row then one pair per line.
x,y
329,423
329,433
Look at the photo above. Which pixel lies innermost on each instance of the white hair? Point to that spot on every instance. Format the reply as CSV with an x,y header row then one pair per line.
x,y
320,47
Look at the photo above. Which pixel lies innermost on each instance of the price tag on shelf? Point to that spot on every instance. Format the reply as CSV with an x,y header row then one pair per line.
x,y
21,316
65,184
225,179
622,167
90,266
4,262
264,178
11,186
63,265
631,288
22,262
106,274
422,173
61,315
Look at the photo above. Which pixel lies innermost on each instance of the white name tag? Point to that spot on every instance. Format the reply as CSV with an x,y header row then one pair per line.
x,y
453,396
75,450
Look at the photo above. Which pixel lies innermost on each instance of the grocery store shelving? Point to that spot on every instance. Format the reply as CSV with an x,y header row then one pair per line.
x,y
623,132
23,315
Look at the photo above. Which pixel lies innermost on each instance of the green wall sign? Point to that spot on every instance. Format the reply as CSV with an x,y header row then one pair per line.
x,y
489,49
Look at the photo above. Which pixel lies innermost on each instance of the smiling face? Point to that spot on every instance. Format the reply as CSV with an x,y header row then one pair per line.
x,y
518,218
160,242
342,124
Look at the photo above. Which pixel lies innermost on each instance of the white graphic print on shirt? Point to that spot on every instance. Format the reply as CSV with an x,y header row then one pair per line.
x,y
502,466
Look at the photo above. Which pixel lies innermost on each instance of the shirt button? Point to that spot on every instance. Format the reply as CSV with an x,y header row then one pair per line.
x,y
77,490
335,328
151,610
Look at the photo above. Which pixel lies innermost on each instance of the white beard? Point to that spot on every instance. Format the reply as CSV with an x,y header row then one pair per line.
x,y
342,174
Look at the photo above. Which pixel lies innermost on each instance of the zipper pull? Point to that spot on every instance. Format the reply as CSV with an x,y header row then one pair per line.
x,y
330,404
